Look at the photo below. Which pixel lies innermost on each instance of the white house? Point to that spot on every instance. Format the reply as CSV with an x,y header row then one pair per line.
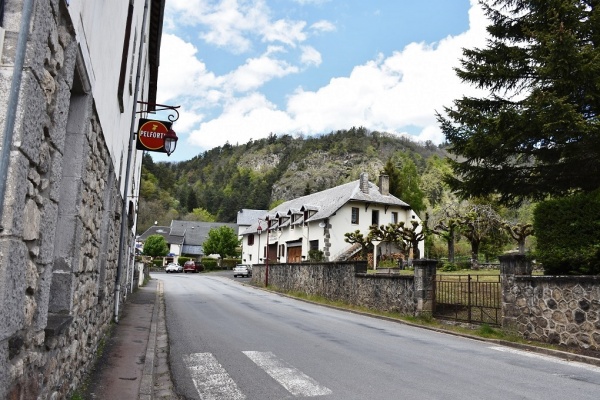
x,y
319,221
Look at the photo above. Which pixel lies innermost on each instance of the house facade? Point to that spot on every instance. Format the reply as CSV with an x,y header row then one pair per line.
x,y
319,222
72,74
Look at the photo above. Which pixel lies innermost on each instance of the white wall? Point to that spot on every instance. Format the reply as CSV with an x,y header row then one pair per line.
x,y
100,27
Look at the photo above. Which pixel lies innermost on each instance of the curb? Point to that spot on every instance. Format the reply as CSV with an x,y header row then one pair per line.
x,y
147,382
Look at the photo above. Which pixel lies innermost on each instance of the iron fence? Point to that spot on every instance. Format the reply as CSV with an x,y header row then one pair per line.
x,y
468,298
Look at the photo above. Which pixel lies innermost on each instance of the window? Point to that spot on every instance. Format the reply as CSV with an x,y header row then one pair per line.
x,y
124,56
250,239
375,217
314,245
354,215
281,250
394,217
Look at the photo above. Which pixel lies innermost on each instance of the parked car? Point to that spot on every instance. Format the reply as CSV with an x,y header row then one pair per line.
x,y
242,270
172,267
192,266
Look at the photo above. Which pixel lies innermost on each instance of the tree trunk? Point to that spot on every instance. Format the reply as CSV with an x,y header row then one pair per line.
x,y
475,255
451,245
522,246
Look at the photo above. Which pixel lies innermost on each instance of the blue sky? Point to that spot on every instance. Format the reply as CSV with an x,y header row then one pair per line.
x,y
242,69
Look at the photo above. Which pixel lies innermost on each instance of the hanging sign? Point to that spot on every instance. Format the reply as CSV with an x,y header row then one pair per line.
x,y
151,135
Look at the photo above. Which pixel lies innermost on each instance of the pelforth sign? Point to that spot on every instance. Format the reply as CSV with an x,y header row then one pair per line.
x,y
150,135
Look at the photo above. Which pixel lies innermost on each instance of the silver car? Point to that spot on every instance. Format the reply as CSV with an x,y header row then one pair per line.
x,y
242,270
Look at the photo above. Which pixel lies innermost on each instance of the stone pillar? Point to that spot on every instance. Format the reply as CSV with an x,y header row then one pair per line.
x,y
424,285
511,265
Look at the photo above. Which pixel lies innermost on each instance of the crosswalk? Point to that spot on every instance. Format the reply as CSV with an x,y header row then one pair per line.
x,y
214,383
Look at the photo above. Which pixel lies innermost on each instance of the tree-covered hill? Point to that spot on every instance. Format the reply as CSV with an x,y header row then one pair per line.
x,y
216,184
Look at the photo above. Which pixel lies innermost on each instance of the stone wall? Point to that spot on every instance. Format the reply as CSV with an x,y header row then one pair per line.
x,y
348,282
562,310
60,237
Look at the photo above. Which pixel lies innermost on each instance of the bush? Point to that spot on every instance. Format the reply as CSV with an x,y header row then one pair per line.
x,y
158,262
449,267
568,232
230,263
181,260
315,255
210,264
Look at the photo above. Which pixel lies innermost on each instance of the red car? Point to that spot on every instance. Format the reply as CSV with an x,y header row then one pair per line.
x,y
193,266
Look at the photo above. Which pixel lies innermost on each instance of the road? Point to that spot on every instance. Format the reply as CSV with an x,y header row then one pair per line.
x,y
232,341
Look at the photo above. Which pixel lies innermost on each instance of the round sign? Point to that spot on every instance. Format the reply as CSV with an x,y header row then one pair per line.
x,y
151,135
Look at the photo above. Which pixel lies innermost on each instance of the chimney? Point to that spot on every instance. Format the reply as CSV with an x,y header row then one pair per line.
x,y
384,185
364,183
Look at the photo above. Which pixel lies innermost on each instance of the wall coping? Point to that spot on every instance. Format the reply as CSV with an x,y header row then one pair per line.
x,y
564,278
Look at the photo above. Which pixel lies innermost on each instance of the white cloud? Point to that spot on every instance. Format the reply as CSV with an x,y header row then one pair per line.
x,y
323,26
250,117
284,31
310,56
181,73
256,72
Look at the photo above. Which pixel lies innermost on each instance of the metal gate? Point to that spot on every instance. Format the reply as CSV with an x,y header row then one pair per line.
x,y
468,298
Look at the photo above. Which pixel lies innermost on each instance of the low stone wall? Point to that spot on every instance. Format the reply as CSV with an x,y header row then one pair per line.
x,y
563,310
348,282
555,309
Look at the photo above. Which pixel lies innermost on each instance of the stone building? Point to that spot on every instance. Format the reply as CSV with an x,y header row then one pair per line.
x,y
72,76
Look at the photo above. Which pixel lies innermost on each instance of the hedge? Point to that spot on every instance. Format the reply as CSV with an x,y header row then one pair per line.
x,y
568,234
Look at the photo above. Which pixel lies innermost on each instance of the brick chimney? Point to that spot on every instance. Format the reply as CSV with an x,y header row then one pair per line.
x,y
384,184
364,183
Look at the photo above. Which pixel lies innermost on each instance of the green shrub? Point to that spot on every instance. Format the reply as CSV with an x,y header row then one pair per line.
x,y
230,263
182,260
568,234
210,264
449,267
157,262
315,255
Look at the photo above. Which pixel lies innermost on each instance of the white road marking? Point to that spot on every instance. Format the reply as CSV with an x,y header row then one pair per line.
x,y
210,378
289,377
548,358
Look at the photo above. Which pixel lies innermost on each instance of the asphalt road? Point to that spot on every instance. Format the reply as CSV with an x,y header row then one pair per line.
x,y
232,341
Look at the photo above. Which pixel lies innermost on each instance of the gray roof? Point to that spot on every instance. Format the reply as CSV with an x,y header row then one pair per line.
x,y
327,202
164,231
195,233
185,232
247,217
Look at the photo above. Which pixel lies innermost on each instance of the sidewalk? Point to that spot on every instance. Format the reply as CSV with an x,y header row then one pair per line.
x,y
134,361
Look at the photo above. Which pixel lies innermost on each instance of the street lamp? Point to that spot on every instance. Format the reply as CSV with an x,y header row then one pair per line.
x,y
375,244
259,230
170,139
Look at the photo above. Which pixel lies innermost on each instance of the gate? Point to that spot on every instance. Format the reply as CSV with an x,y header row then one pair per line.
x,y
468,298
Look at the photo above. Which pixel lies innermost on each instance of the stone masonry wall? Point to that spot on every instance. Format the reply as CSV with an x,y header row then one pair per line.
x,y
61,215
344,281
558,310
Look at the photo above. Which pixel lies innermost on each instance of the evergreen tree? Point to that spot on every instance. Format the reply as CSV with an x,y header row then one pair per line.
x,y
537,133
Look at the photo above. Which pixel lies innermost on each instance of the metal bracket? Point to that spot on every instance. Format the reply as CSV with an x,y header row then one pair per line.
x,y
171,117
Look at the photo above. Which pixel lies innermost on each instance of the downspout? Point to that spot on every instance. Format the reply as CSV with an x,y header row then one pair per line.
x,y
13,100
124,208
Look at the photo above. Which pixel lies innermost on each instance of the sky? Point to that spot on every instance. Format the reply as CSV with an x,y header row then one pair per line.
x,y
243,69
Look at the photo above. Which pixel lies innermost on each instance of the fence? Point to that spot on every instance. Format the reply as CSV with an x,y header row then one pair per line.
x,y
467,298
